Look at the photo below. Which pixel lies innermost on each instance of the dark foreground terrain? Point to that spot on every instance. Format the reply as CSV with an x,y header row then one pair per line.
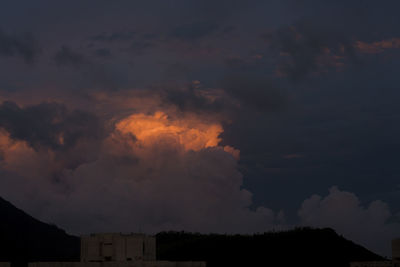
x,y
24,239
299,247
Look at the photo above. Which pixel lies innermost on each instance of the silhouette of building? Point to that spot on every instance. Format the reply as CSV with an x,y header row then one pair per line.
x,y
118,247
396,250
395,262
118,250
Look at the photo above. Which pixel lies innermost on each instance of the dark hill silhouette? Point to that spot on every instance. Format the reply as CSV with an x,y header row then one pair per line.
x,y
299,247
24,239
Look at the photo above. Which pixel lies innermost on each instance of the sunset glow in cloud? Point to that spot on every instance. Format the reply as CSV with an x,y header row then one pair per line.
x,y
190,133
204,116
378,46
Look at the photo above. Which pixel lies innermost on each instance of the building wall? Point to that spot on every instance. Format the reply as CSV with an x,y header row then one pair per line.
x,y
118,250
118,247
396,249
5,264
119,264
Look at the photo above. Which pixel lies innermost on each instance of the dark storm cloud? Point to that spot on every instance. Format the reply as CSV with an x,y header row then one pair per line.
x,y
236,63
332,128
308,47
67,57
48,125
140,45
88,68
102,52
114,37
250,92
255,92
132,41
188,98
23,46
194,31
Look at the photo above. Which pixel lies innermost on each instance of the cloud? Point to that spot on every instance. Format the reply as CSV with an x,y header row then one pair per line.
x,y
102,52
196,98
152,172
131,40
343,211
23,46
308,47
67,57
378,46
48,125
163,187
190,133
115,36
140,45
233,92
255,92
85,69
194,31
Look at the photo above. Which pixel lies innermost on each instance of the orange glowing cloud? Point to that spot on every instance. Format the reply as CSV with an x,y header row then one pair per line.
x,y
189,132
19,157
9,148
378,47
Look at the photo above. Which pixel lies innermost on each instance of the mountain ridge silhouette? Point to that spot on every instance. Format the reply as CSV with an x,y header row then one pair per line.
x,y
25,239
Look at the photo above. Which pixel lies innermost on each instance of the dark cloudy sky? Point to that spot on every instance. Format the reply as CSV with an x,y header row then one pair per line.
x,y
210,116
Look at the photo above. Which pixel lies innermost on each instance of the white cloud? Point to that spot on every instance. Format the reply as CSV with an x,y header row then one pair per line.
x,y
368,225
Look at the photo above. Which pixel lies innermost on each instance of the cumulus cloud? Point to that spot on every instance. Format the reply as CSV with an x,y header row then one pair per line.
x,y
165,188
343,211
152,172
189,132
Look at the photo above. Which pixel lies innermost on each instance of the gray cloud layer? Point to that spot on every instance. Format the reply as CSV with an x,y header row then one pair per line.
x,y
48,125
23,46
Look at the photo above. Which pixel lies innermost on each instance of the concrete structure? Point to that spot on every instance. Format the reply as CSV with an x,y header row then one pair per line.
x,y
5,264
118,250
396,249
118,247
395,262
119,264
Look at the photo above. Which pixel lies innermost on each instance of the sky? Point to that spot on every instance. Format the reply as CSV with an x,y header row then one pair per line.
x,y
206,116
